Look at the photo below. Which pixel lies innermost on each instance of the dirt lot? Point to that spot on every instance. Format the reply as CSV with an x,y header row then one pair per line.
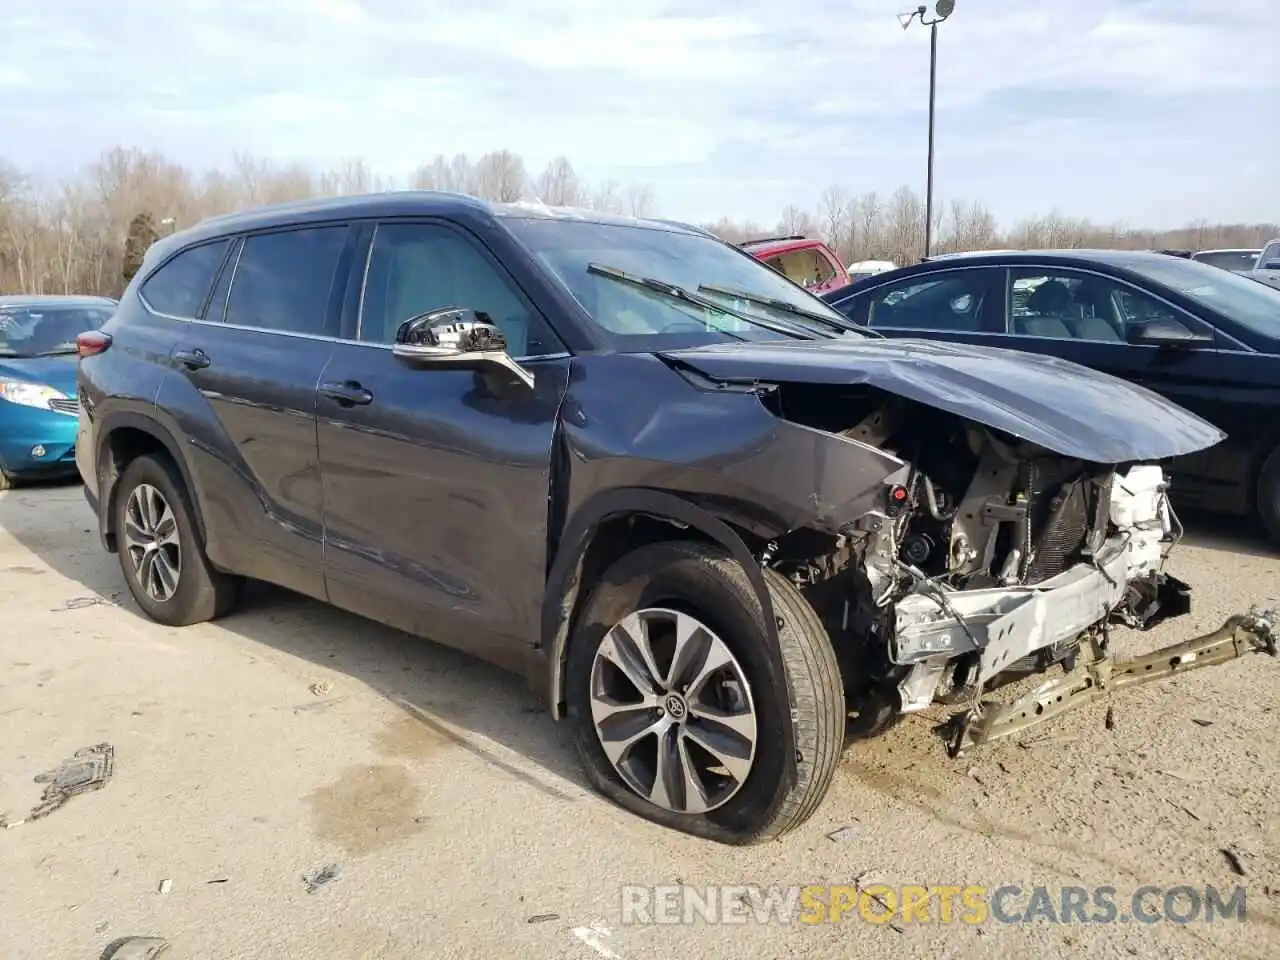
x,y
291,736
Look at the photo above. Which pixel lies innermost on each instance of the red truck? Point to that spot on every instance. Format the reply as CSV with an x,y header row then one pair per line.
x,y
803,260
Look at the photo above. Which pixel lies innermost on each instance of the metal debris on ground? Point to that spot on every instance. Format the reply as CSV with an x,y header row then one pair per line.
x,y
80,603
318,878
543,917
843,834
135,948
1110,721
320,688
165,886
1236,859
87,770
1201,723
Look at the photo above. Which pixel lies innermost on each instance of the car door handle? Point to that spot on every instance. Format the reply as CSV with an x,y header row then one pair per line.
x,y
193,359
348,393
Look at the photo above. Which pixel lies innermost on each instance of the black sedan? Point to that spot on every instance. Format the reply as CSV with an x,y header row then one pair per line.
x,y
1205,338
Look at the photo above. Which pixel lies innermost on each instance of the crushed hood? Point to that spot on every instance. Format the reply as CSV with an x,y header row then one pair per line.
x,y
1072,410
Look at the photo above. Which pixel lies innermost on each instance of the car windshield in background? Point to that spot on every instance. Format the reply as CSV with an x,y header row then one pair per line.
x,y
637,318
1238,260
46,330
1246,301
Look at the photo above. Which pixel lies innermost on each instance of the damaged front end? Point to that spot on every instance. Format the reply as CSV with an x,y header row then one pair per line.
x,y
988,559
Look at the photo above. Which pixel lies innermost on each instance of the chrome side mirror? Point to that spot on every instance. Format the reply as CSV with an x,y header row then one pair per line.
x,y
455,337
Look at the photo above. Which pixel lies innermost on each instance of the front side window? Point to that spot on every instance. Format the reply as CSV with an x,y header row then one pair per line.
x,y
1253,305
179,287
951,301
635,318
415,268
1070,305
48,329
283,281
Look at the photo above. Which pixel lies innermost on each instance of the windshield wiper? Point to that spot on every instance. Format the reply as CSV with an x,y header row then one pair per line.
x,y
843,326
681,295
60,352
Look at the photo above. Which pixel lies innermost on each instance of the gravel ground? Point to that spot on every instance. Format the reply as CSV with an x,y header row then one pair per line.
x,y
291,736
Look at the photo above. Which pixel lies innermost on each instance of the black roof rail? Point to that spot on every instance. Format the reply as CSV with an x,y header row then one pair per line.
x,y
751,243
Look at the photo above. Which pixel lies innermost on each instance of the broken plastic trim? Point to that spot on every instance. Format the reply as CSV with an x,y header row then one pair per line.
x,y
1100,676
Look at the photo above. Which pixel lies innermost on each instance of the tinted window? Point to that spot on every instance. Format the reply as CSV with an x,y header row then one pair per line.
x,y
179,287
1067,305
951,301
283,280
638,319
415,268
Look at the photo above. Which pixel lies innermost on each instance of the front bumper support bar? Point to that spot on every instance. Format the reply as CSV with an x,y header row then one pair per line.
x,y
1100,675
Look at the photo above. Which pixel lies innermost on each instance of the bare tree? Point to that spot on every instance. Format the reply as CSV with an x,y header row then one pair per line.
x,y
559,186
796,222
972,227
904,227
500,176
86,233
640,200
606,197
833,215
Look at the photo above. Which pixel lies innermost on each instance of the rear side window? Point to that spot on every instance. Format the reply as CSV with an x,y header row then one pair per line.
x,y
283,281
178,288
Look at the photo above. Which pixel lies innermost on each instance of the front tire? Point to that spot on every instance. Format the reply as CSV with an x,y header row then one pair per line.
x,y
160,552
679,710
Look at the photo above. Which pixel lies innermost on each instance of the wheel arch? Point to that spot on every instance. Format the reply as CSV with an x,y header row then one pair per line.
x,y
591,541
122,438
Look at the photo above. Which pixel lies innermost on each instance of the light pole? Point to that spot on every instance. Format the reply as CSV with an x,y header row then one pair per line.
x,y
941,10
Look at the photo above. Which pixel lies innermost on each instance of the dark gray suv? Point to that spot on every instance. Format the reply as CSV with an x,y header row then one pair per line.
x,y
718,526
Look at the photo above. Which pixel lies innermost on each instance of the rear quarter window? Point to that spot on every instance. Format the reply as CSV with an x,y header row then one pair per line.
x,y
180,286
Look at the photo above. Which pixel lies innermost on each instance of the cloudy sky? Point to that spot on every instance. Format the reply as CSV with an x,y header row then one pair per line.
x,y
1155,112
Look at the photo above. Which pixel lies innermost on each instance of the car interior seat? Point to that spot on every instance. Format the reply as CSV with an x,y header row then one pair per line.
x,y
1050,303
1094,314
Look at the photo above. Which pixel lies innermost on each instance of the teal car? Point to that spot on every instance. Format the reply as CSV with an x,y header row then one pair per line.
x,y
39,411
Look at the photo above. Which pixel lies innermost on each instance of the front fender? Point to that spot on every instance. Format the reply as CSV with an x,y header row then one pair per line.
x,y
562,594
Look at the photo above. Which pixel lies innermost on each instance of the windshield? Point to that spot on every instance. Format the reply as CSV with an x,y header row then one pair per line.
x,y
1240,298
635,319
1240,260
46,330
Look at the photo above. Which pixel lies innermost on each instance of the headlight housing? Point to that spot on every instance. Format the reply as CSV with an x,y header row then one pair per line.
x,y
29,394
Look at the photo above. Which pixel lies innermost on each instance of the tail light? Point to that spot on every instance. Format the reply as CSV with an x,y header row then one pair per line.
x,y
92,342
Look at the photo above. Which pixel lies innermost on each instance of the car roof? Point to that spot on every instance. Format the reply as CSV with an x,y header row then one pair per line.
x,y
771,245
402,203
54,300
1115,258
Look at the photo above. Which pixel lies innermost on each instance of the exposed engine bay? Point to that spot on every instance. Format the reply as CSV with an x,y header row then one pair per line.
x,y
988,558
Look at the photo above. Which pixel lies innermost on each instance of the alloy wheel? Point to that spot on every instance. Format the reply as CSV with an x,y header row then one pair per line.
x,y
673,710
151,538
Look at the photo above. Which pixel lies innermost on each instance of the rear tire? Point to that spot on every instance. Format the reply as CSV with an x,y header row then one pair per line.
x,y
161,556
703,582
